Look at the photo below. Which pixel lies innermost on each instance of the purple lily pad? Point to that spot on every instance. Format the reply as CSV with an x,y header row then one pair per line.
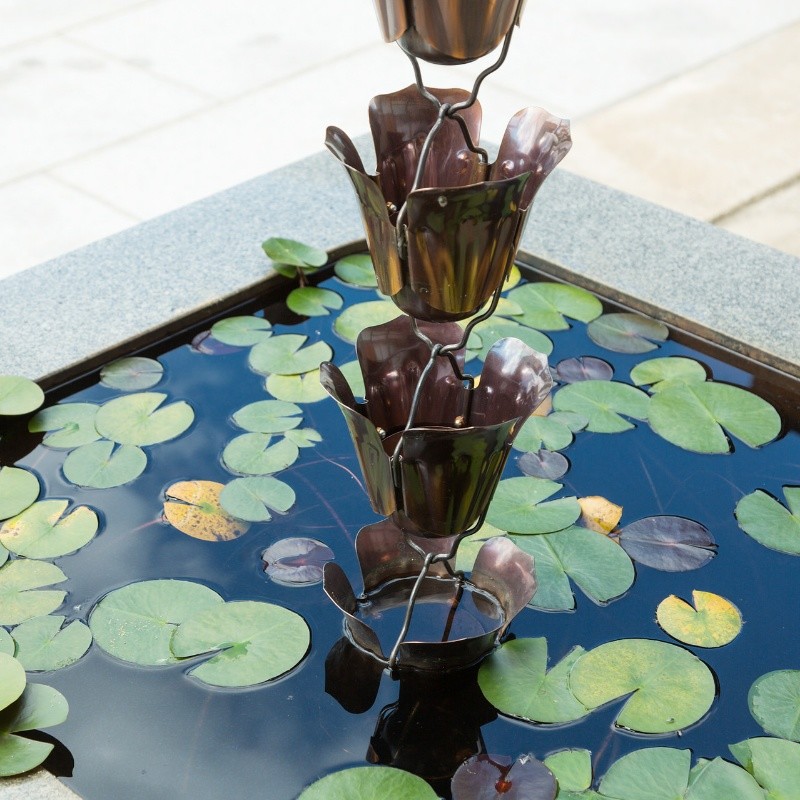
x,y
490,777
296,561
585,368
671,544
206,344
544,464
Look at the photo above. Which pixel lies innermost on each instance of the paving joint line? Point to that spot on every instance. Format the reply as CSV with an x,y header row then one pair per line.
x,y
756,198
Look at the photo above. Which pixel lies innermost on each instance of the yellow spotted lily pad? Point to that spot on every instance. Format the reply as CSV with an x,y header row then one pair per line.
x,y
713,622
193,508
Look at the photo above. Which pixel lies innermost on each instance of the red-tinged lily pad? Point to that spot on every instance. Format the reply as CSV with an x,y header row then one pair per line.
x,y
544,464
627,333
193,507
671,544
296,561
492,777
585,368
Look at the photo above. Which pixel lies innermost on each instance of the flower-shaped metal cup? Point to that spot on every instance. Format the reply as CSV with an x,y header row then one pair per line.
x,y
444,31
463,225
449,462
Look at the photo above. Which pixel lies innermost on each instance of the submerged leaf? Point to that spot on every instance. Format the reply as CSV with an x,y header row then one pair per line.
x,y
487,777
627,333
518,505
43,644
369,783
255,499
774,701
296,561
311,301
604,404
131,374
287,355
142,419
255,454
19,488
68,425
659,373
585,368
21,594
761,516
43,531
243,331
198,512
544,305
19,395
364,315
268,416
294,253
356,269
103,465
672,544
713,622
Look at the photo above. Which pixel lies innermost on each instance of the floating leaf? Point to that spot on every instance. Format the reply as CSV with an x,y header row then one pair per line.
x,y
515,680
286,355
100,466
254,499
68,425
136,623
304,437
538,432
297,388
12,680
311,301
585,368
487,777
364,315
599,514
370,783
42,531
667,688
258,642
770,523
268,416
206,344
518,506
469,546
3,555
198,512
243,331
659,373
43,644
543,464
19,395
774,763
294,253
141,419
693,415
713,622
485,334
132,374
353,375
20,584
296,561
627,333
572,768
254,454
356,269
599,567
774,701
7,645
604,404
544,305
672,544
18,489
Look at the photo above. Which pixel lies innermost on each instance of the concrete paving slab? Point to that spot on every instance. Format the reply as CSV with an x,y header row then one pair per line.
x,y
38,785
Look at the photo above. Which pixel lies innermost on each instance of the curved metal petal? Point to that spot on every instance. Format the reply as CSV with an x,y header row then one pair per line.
x,y
392,18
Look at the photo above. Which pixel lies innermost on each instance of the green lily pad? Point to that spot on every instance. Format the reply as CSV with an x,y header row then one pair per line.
x,y
258,642
761,516
304,437
294,253
136,623
667,688
21,595
515,680
518,506
3,555
297,388
774,763
370,783
43,530
286,355
254,499
545,305
12,680
721,780
132,374
102,465
44,644
604,404
659,373
268,416
774,701
68,425
485,334
18,490
627,333
353,375
364,315
241,331
19,395
256,454
572,768
468,548
7,645
311,301
693,415
713,622
194,508
141,419
357,269
599,567
539,432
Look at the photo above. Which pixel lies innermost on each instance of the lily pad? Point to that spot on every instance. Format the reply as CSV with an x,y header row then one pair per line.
x,y
518,505
693,416
671,544
297,388
19,395
627,333
43,643
296,561
658,373
538,432
713,622
774,763
304,437
194,508
485,334
364,315
353,375
543,464
311,301
136,623
12,680
132,374
268,416
19,488
3,555
487,777
572,768
208,345
356,269
605,404
142,419
761,516
468,548
599,567
258,642
259,454
256,499
667,688
67,425
241,331
21,594
7,645
102,465
287,355
585,368
774,701
515,680
44,531
545,305
294,253
370,783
